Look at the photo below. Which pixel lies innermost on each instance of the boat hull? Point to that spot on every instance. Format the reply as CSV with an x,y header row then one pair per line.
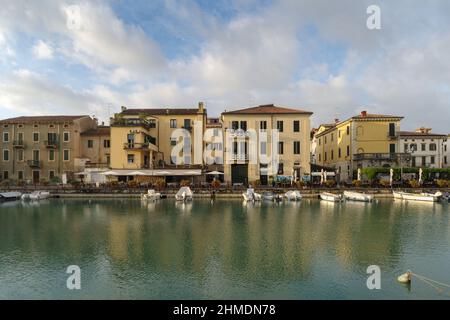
x,y
331,197
415,197
357,196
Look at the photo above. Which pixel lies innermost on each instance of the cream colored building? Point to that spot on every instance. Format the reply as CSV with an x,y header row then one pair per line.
x,y
293,143
365,140
42,148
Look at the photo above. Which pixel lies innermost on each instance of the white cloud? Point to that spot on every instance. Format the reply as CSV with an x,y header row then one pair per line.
x,y
42,50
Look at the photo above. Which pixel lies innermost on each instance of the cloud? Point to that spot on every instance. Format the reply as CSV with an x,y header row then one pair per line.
x,y
41,50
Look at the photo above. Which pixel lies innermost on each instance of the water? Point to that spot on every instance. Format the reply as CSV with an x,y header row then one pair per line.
x,y
221,250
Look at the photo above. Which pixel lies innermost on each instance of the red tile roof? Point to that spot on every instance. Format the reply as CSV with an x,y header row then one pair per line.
x,y
268,109
375,116
46,119
100,131
159,112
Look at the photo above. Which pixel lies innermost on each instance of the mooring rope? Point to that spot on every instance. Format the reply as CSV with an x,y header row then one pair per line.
x,y
435,284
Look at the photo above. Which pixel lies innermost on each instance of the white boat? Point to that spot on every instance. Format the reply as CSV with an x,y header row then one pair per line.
x,y
326,196
36,195
293,195
10,196
427,197
151,195
358,196
251,195
184,194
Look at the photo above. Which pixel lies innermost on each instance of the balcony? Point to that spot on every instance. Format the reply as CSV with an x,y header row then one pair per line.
x,y
380,156
135,146
134,123
51,144
34,163
18,144
238,133
239,157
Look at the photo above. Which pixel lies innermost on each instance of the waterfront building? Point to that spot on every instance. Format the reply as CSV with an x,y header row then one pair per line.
x,y
43,148
365,140
426,148
447,152
293,145
143,139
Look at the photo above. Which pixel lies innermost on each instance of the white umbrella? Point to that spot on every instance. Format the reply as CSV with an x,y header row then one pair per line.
x,y
359,174
420,175
191,172
321,176
137,173
215,173
391,176
161,173
110,173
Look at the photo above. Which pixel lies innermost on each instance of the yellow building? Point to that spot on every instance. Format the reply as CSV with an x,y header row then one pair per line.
x,y
293,143
143,139
365,140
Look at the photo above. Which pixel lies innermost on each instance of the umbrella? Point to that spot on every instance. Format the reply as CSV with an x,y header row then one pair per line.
x,y
215,173
161,173
359,174
420,175
137,173
191,172
110,173
391,176
321,176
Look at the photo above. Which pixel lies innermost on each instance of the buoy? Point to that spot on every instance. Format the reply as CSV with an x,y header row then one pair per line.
x,y
405,278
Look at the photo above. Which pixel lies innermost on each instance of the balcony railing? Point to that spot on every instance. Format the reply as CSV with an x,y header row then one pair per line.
x,y
18,144
34,163
135,145
239,157
380,156
134,123
51,143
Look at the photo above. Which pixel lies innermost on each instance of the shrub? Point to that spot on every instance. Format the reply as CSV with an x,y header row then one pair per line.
x,y
160,183
300,184
442,183
132,184
330,183
356,183
414,183
44,182
185,183
55,180
215,184
5,183
385,183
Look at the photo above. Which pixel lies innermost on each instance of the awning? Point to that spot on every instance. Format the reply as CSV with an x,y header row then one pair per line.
x,y
155,172
215,173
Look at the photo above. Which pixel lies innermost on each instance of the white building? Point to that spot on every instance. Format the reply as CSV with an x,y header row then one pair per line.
x,y
426,148
447,152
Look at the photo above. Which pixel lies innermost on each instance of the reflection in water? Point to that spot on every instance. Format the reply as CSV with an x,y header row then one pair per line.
x,y
220,249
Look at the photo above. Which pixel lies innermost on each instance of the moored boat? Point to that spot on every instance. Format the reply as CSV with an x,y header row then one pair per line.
x,y
36,195
327,196
184,194
10,196
251,195
426,197
358,196
151,195
293,195
270,196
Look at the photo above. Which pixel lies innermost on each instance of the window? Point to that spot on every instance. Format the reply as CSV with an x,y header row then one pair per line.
x,y
319,142
263,125
108,159
432,146
51,175
280,147
20,175
424,147
296,126
339,153
66,154
51,155
35,126
296,147
173,141
20,137
348,130
280,168
5,155
332,137
130,158
445,159
187,123
5,175
173,123
35,136
424,161
325,138
263,150
339,133
332,154
325,157
244,125
405,147
20,155
106,143
432,160
36,155
348,151
90,144
66,136
280,126
5,136
51,125
392,148
320,157
5,126
234,125
392,129
51,136
413,147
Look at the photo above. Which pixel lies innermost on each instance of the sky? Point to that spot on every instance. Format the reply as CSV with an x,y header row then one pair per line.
x,y
91,57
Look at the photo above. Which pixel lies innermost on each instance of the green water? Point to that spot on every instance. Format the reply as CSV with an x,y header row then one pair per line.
x,y
221,250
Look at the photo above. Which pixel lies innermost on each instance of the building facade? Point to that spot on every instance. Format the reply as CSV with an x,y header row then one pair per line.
x,y
42,148
293,145
447,152
427,149
365,140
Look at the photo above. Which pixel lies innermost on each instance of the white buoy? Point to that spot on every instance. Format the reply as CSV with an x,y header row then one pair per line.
x,y
405,278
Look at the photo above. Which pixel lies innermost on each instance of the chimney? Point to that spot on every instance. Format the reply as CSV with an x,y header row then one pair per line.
x,y
364,113
201,107
123,108
103,123
423,130
336,120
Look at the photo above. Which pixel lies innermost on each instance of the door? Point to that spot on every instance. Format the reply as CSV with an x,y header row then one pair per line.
x,y
392,148
239,173
36,176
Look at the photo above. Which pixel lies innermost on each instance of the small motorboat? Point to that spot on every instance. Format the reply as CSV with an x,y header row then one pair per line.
x,y
36,195
270,196
293,195
327,196
184,194
151,195
251,195
358,196
426,197
10,196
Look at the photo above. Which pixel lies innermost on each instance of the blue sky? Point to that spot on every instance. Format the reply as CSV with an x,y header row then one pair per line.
x,y
314,55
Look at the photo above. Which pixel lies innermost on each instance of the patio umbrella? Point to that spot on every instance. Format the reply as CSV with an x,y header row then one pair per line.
x,y
215,173
359,174
137,173
161,173
191,172
391,176
110,173
420,175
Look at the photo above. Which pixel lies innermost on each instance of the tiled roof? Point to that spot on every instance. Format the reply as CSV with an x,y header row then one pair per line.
x,y
100,131
375,116
420,134
34,119
268,109
159,112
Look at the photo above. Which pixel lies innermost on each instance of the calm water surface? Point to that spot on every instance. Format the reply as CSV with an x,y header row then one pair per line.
x,y
222,250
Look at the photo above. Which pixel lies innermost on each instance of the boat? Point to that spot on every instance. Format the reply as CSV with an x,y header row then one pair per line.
x,y
10,196
184,194
36,195
426,197
251,195
293,195
151,195
327,196
270,196
358,196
